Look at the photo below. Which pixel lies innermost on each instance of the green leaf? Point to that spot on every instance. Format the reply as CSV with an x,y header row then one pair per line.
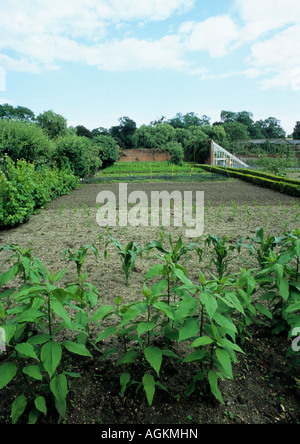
x,y
225,322
197,355
50,356
7,373
128,357
106,333
144,327
40,404
283,287
262,309
59,388
8,275
186,307
33,371
102,312
154,357
189,329
162,306
204,340
26,349
78,349
130,314
180,275
278,269
154,271
231,297
224,359
210,304
31,315
295,306
149,387
17,408
39,339
213,382
286,257
59,309
124,379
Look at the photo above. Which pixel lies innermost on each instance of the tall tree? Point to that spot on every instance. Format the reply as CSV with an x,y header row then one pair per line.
x,y
296,132
83,131
20,113
123,133
53,124
271,128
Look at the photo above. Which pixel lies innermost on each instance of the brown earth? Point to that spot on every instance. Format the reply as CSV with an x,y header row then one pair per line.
x,y
262,391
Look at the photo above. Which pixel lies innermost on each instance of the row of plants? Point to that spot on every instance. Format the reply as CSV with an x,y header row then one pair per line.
x,y
43,321
25,188
281,184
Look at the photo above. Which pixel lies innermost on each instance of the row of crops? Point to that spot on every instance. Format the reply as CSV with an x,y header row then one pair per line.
x,y
202,323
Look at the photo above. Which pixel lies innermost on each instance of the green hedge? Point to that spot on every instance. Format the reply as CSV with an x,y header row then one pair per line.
x,y
23,189
276,183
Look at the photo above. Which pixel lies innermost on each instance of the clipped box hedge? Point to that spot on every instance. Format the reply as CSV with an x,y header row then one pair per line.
x,y
276,183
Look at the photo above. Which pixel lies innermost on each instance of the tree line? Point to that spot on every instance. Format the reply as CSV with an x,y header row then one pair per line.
x,y
47,137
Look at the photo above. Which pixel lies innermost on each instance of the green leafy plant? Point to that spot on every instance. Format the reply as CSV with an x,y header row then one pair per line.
x,y
31,318
222,256
127,255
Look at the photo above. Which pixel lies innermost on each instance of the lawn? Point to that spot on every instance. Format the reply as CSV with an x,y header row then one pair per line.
x,y
152,172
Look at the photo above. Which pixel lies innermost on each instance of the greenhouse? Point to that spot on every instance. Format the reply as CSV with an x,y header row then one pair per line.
x,y
221,157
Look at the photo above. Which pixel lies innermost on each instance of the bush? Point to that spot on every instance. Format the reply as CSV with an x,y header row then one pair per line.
x,y
176,151
197,147
20,140
23,189
108,149
287,186
77,153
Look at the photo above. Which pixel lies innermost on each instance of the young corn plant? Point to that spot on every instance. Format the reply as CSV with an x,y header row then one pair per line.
x,y
262,245
171,258
222,256
127,255
82,289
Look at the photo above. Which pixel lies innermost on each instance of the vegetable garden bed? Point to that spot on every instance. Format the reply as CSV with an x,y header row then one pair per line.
x,y
262,389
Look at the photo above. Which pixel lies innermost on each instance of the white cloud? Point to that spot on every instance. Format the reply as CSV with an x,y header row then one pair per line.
x,y
131,54
43,33
279,57
263,16
39,34
215,35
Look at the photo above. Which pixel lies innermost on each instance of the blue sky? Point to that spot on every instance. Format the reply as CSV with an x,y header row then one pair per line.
x,y
95,61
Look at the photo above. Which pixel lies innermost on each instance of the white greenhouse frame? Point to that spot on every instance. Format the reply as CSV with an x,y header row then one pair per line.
x,y
223,158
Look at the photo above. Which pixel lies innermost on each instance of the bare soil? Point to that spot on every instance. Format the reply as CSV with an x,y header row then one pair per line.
x,y
263,390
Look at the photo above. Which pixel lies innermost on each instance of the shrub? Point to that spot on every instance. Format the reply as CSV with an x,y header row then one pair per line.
x,y
108,149
77,153
290,187
176,151
24,189
20,140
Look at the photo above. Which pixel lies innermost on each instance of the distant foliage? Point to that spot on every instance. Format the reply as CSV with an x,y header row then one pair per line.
x,y
108,149
23,189
54,125
77,153
20,140
176,151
